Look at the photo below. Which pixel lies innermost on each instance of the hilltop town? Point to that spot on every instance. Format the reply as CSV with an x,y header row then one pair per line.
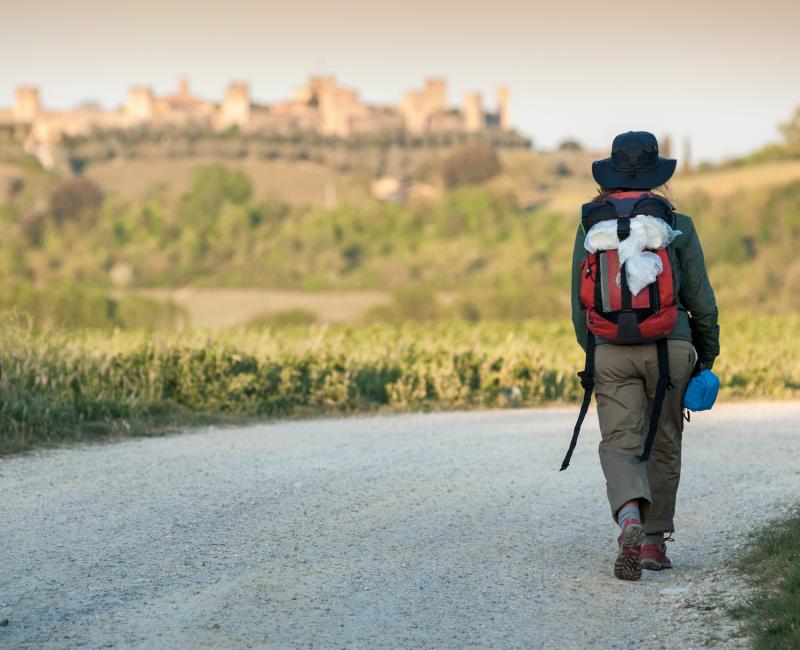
x,y
321,106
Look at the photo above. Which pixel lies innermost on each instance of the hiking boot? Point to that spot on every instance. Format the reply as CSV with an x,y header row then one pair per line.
x,y
627,565
654,557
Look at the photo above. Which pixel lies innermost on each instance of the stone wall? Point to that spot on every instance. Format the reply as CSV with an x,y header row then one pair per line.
x,y
421,107
26,104
321,105
141,104
474,118
235,107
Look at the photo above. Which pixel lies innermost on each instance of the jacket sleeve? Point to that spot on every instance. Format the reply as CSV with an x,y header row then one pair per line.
x,y
578,312
697,296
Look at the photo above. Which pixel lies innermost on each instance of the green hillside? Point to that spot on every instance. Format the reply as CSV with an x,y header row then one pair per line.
x,y
493,249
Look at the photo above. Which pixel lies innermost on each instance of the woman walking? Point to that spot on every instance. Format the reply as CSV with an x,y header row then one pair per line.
x,y
644,310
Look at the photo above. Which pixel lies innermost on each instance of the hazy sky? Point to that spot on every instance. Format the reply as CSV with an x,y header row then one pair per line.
x,y
723,72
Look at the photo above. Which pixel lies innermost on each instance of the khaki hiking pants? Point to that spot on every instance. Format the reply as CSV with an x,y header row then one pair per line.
x,y
625,385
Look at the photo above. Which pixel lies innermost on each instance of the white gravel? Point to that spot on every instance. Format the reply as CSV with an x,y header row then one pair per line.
x,y
440,530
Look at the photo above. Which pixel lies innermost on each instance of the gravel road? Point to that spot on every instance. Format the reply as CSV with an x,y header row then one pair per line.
x,y
433,530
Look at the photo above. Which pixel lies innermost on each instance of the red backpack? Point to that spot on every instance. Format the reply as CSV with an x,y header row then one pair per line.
x,y
615,315
611,311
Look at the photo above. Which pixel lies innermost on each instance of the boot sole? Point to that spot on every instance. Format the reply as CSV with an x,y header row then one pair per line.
x,y
627,565
652,565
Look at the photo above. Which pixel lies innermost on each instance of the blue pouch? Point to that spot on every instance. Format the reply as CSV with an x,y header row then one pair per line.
x,y
701,393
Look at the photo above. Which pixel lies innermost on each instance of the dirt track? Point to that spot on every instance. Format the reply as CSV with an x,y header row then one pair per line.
x,y
444,530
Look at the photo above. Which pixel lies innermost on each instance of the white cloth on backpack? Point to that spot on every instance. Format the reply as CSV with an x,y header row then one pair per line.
x,y
642,270
641,266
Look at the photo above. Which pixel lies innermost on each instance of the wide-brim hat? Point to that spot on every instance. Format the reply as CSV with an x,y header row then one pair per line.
x,y
634,163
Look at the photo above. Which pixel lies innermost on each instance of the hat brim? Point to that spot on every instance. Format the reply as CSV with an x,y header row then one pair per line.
x,y
608,177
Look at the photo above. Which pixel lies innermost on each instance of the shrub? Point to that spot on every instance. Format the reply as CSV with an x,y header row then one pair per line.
x,y
285,318
72,307
212,185
74,197
410,303
469,164
570,144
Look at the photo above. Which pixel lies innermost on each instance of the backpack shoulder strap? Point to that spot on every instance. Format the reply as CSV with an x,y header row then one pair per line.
x,y
621,206
596,212
656,206
662,386
587,382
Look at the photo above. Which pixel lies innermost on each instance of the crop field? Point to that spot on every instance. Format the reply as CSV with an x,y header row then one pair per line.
x,y
60,386
292,182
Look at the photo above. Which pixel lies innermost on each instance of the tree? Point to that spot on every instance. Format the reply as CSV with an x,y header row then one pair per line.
x,y
73,197
212,185
469,164
570,144
791,129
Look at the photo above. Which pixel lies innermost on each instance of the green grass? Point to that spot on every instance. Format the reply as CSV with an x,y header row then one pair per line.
x,y
66,386
772,564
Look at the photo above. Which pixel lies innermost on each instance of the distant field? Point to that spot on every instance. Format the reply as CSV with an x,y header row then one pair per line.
x,y
218,308
727,181
532,176
292,182
570,193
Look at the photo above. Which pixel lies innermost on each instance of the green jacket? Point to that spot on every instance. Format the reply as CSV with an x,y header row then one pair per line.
x,y
695,294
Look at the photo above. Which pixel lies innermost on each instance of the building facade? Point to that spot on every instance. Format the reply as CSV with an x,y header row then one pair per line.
x,y
321,106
